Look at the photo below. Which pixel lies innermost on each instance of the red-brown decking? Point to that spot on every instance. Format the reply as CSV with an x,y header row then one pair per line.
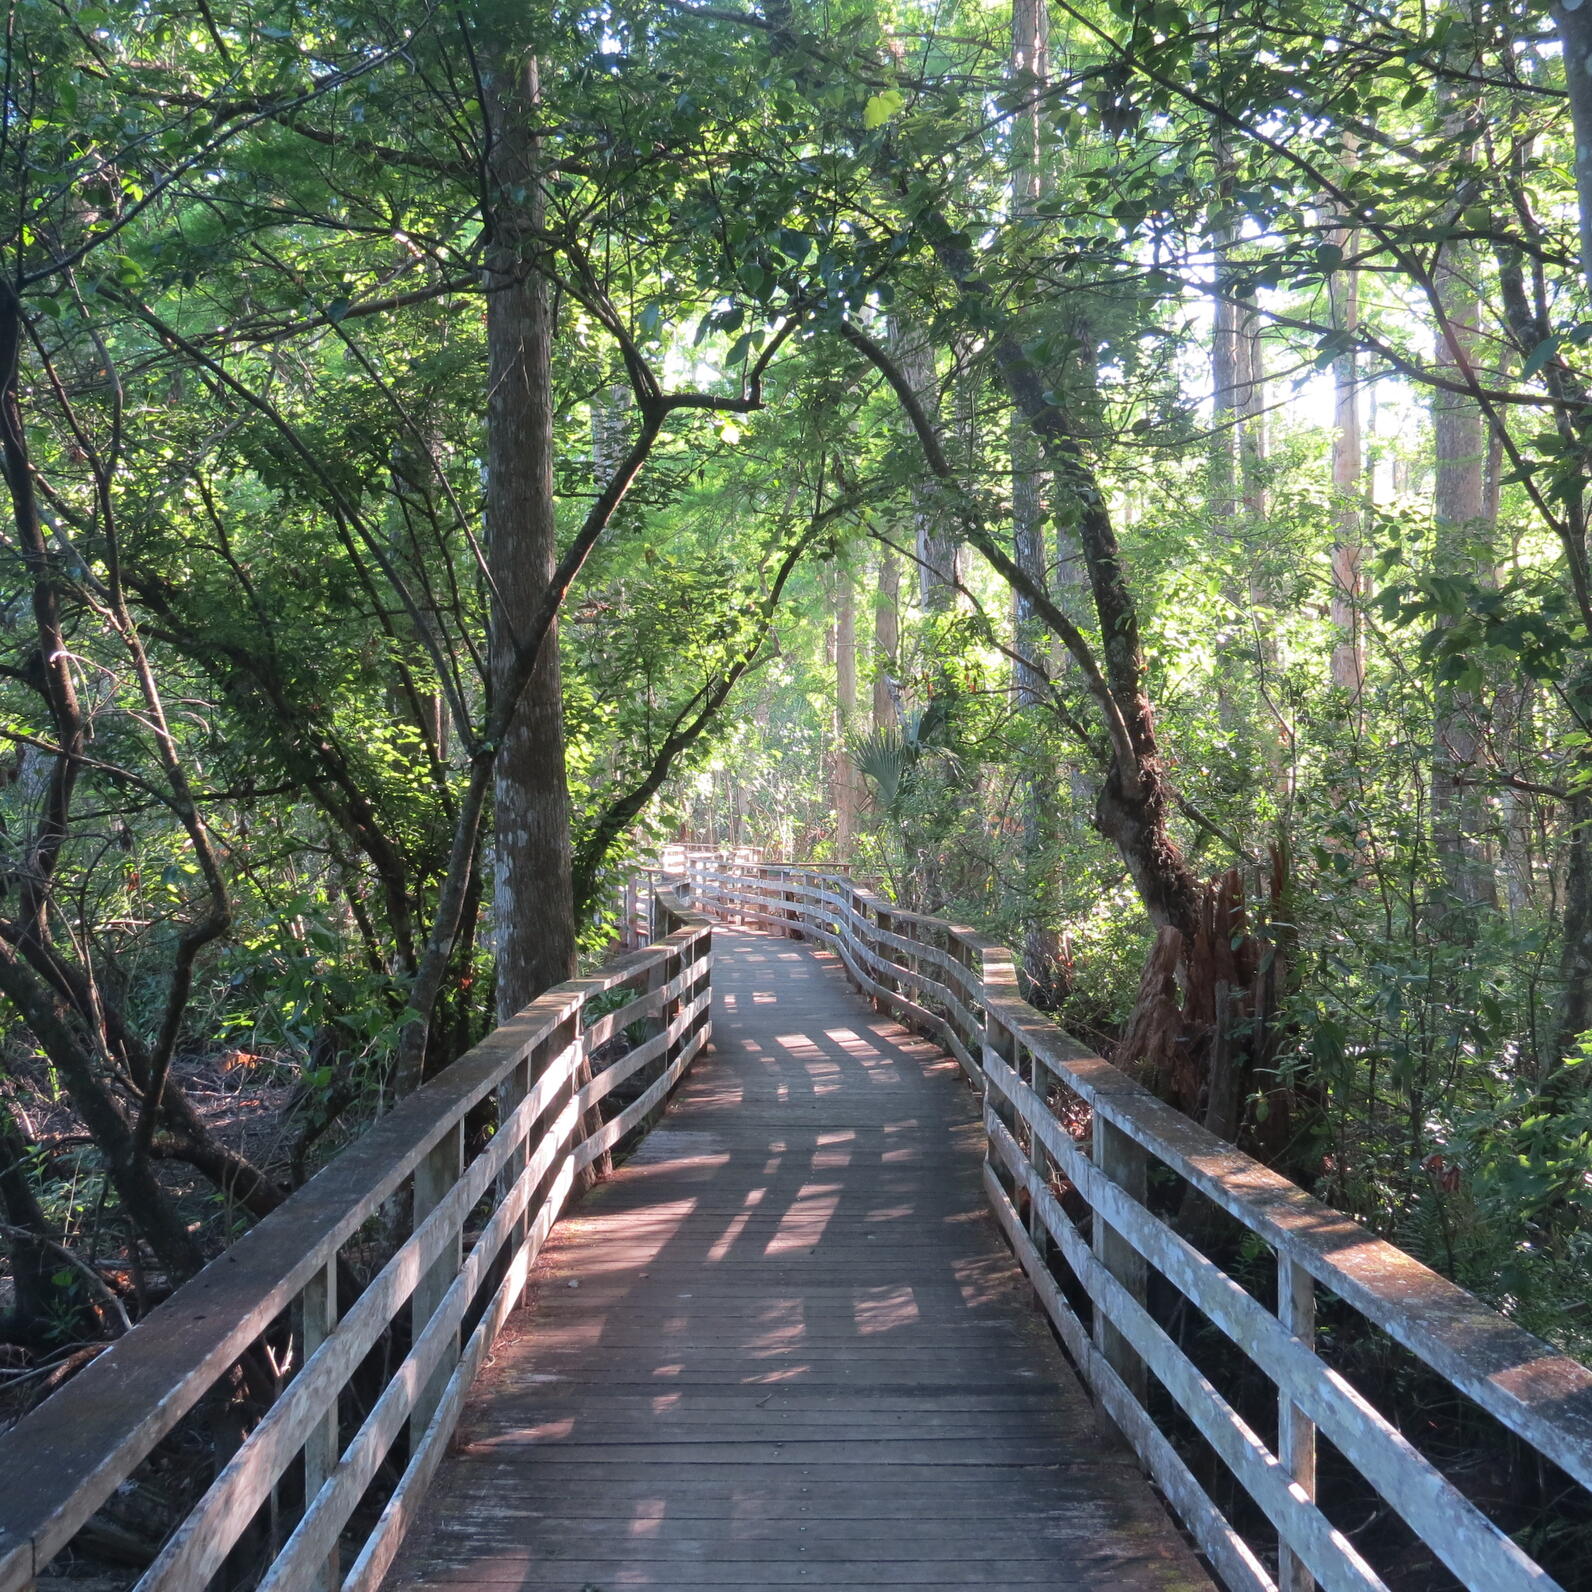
x,y
785,1346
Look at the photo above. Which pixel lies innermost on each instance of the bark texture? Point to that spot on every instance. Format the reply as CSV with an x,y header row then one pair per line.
x,y
887,642
935,541
533,896
1348,652
847,784
1459,818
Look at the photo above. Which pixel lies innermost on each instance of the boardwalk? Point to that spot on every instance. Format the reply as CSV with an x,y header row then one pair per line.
x,y
785,1346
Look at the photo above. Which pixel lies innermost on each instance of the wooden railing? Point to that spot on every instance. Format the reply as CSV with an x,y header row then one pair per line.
x,y
338,1399
1077,1155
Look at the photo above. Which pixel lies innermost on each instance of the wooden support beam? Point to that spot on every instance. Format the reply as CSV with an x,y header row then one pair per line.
x,y
1296,1432
1123,1162
434,1179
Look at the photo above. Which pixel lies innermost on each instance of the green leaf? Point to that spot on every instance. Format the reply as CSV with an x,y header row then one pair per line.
x,y
1540,355
882,107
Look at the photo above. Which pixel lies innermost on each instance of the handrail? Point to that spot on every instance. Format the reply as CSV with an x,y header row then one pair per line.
x,y
273,1316
1092,1277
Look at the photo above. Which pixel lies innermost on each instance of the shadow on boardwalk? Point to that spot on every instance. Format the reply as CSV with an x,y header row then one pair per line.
x,y
785,1346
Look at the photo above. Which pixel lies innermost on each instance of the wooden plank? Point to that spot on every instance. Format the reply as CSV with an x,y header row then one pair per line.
x,y
1107,1568
1121,1162
618,1126
793,1285
435,1179
1481,1555
207,1533
604,1082
1296,1432
317,1533
1328,1553
1540,1394
66,1457
1234,1560
318,1316
381,1547
646,1004
90,1435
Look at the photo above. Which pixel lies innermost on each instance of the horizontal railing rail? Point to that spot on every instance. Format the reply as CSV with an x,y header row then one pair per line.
x,y
275,1340
1065,1129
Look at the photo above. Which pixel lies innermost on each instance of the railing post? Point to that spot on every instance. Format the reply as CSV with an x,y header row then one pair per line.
x,y
1123,1161
1002,1041
591,1120
747,890
1296,1432
998,978
885,919
665,969
702,985
317,1319
514,1088
434,1177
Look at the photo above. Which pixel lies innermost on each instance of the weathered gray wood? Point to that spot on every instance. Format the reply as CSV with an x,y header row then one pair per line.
x,y
778,1267
810,1215
317,1533
84,1441
1296,1432
1234,1560
1327,1551
1543,1396
435,1179
382,1546
87,1438
318,1317
636,1112
516,1085
1120,1161
1478,1552
208,1532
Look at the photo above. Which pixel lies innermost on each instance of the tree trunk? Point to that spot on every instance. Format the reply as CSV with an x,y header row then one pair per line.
x,y
533,895
1133,806
1575,958
1043,961
886,642
1459,817
1252,411
42,1306
1463,540
1228,365
846,783
1226,375
1348,652
935,543
1574,22
1030,70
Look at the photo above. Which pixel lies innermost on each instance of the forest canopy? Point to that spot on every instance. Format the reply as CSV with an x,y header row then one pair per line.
x,y
1114,472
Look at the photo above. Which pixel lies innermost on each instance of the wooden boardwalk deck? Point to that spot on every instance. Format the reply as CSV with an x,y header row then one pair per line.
x,y
785,1346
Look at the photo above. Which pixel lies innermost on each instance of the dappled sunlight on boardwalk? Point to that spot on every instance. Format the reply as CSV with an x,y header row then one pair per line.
x,y
784,1346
